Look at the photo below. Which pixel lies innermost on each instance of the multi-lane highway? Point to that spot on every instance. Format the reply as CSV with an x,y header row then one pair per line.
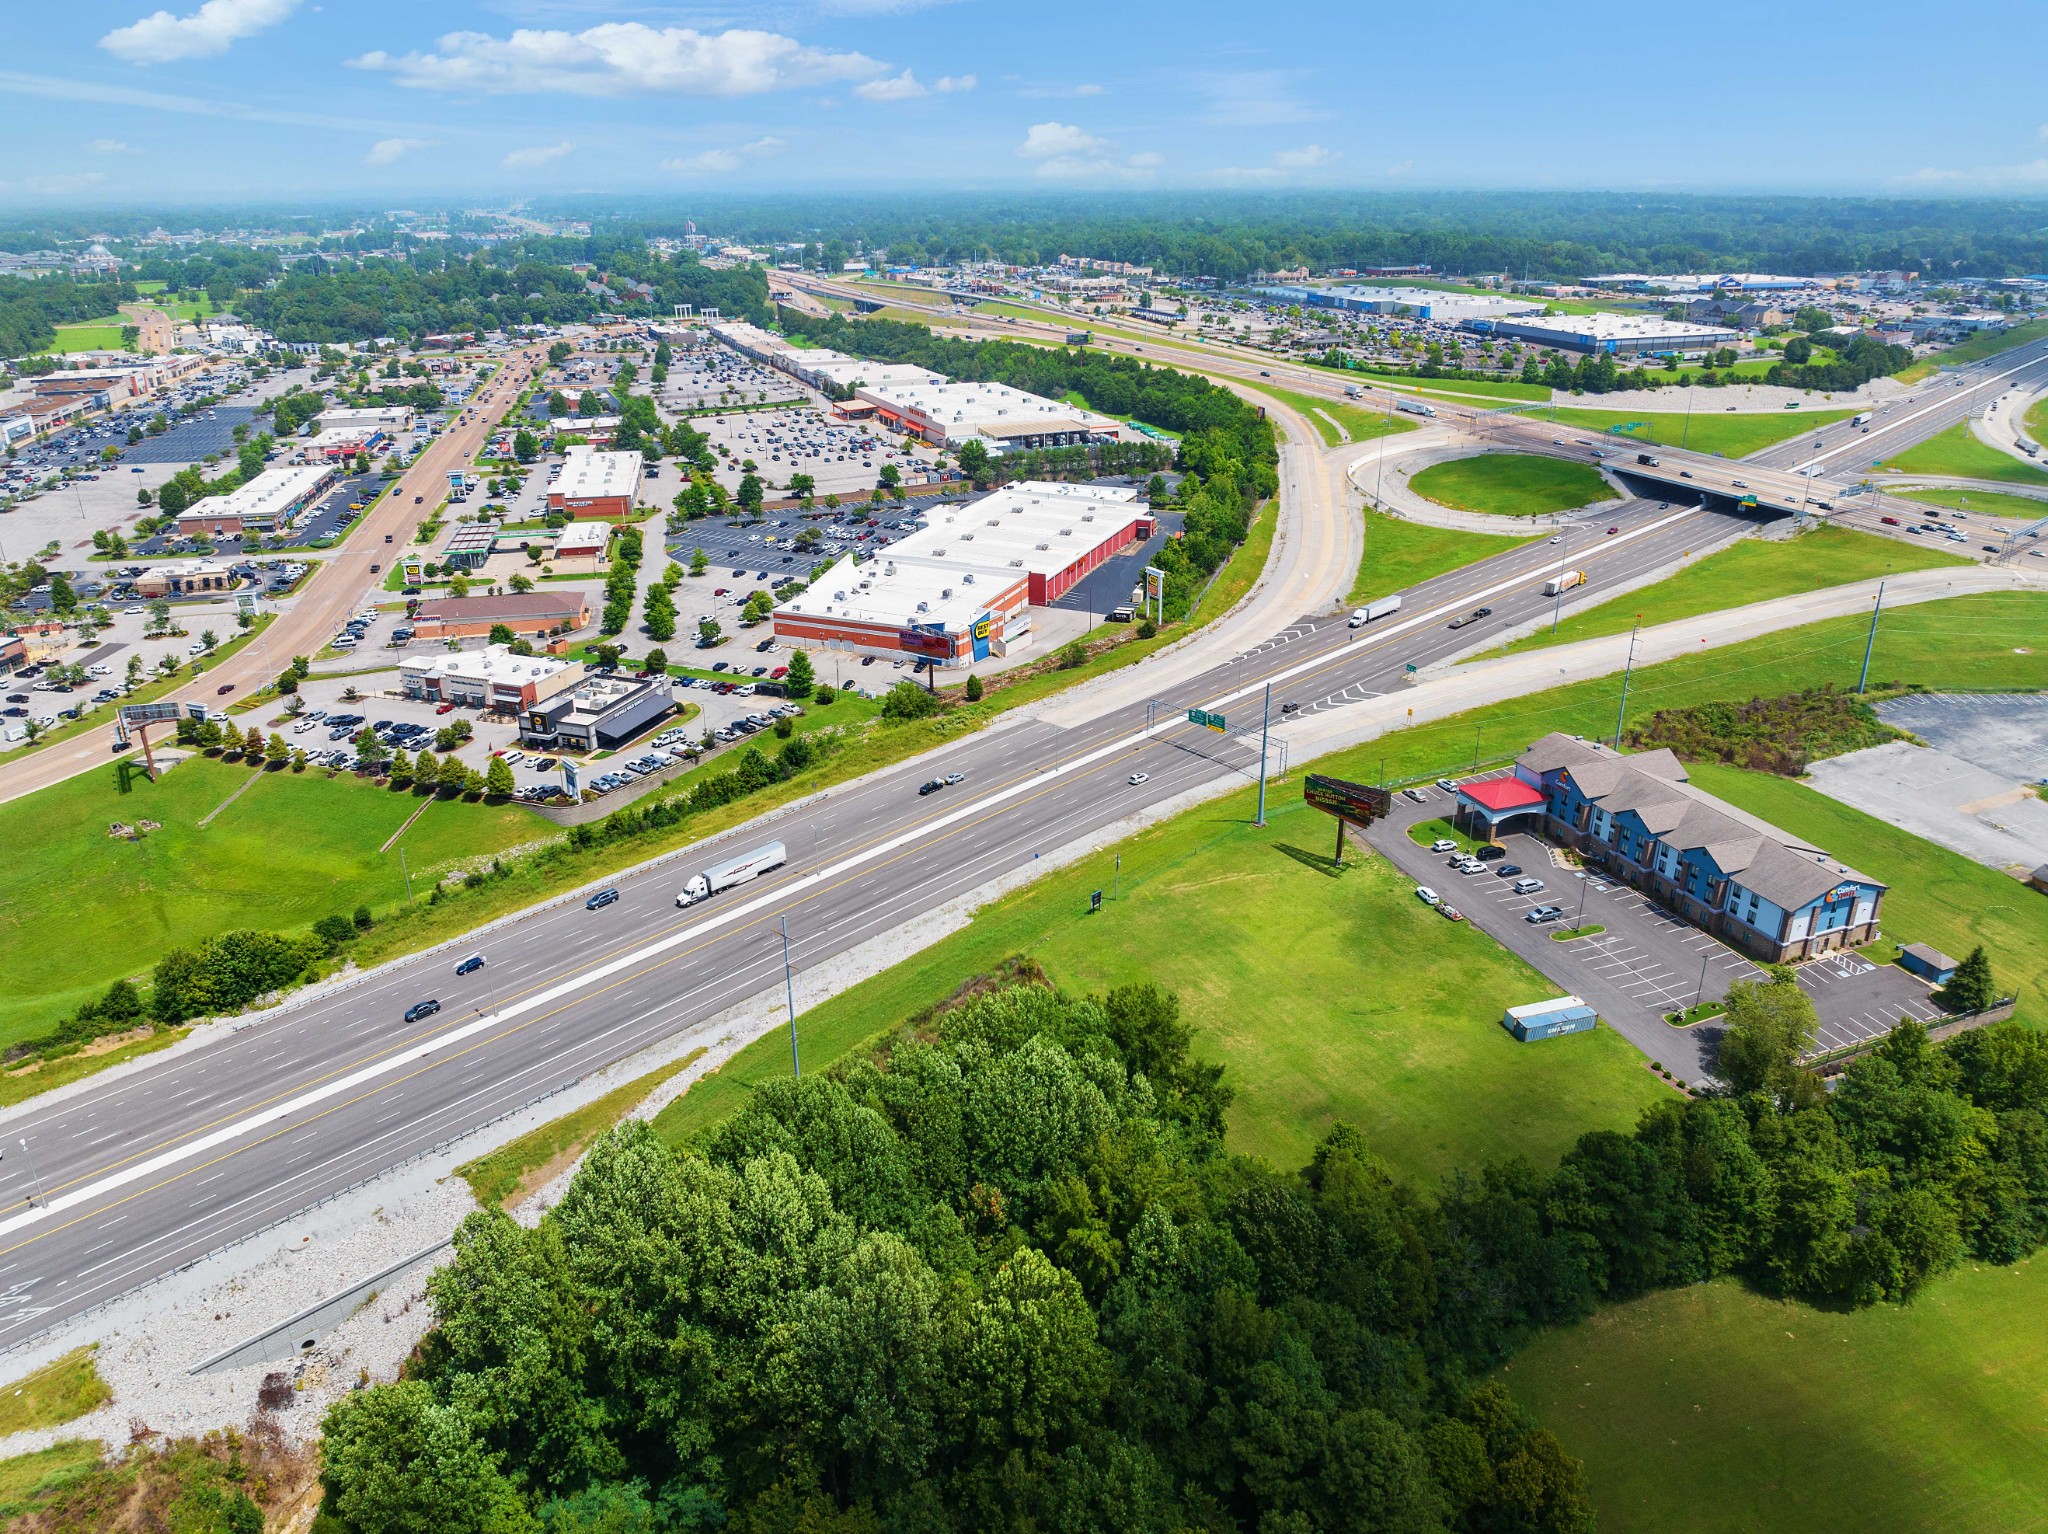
x,y
117,1185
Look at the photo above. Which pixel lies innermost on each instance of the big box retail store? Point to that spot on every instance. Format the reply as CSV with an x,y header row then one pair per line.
x,y
962,588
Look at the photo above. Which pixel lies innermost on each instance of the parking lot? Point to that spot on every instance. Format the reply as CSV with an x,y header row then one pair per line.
x,y
1647,961
328,518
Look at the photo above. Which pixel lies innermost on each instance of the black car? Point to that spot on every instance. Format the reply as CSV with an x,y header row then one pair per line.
x,y
1508,871
421,1009
470,965
932,787
1489,852
600,899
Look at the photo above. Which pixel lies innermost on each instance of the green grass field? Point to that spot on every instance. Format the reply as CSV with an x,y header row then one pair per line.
x,y
1511,484
1958,454
1399,554
1274,958
63,1390
1326,414
27,1478
1753,570
1075,397
1496,388
1988,502
2036,421
292,848
1976,349
1712,1410
87,336
1936,896
1712,430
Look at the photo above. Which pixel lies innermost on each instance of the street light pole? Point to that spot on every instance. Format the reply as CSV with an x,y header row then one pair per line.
x,y
1265,724
35,1178
1626,674
796,1065
1870,643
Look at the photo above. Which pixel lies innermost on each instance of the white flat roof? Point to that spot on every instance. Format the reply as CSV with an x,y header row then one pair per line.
x,y
961,409
1617,327
372,415
493,663
578,536
588,474
270,494
1038,527
893,593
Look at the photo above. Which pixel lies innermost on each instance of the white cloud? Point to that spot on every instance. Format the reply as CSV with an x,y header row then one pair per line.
x,y
213,28
1256,98
1284,166
107,146
389,151
57,185
903,87
723,162
1308,157
2031,173
537,156
950,84
1149,159
1038,92
878,7
1401,168
622,59
1045,141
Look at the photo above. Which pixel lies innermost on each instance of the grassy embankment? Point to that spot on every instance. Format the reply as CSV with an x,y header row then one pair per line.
x,y
1327,415
291,848
1241,938
1753,570
1400,554
100,335
63,1390
1988,503
1957,454
1511,484
1976,349
2036,421
1710,431
522,1166
1076,397
1714,1410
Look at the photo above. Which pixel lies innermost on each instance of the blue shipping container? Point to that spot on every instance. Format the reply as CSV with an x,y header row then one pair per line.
x,y
1548,1019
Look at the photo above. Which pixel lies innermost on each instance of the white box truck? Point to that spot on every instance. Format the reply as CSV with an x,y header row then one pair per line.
x,y
723,876
1564,581
1353,391
1373,610
1418,407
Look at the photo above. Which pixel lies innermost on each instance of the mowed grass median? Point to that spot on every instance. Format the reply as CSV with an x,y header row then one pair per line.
x,y
1399,554
1754,570
80,908
1511,484
1957,454
1713,1410
1710,430
1327,415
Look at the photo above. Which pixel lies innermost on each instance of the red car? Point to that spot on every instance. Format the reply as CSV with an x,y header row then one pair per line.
x,y
1612,531
778,673
445,708
224,689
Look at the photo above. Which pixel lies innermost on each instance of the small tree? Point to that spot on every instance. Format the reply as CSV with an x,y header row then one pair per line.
x,y
277,753
699,562
972,692
1971,988
801,678
521,583
498,779
709,633
502,634
657,660
458,584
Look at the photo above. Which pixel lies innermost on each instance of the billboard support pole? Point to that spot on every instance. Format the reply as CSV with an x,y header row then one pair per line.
x,y
1265,722
1339,858
148,757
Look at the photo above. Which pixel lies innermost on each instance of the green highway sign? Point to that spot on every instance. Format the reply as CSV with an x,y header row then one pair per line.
x,y
1205,719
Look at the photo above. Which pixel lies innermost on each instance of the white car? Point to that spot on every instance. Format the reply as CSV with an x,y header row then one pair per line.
x,y
513,758
1443,844
194,648
1140,777
1427,895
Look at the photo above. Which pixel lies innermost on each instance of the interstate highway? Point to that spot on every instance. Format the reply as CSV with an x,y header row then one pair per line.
x,y
141,1177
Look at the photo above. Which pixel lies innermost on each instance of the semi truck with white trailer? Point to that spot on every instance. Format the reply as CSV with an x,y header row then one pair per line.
x,y
723,876
1860,421
1564,580
1418,407
1372,610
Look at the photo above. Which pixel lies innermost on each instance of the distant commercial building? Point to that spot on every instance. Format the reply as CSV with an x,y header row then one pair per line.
x,y
1621,334
597,430
962,588
273,499
468,546
388,419
1700,282
491,678
581,542
602,713
333,444
532,615
949,415
596,484
1928,962
1418,303
818,366
1637,818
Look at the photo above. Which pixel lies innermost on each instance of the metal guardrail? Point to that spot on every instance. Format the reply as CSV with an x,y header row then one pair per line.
x,y
437,1148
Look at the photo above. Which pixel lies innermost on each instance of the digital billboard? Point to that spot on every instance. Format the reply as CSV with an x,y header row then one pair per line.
x,y
1358,803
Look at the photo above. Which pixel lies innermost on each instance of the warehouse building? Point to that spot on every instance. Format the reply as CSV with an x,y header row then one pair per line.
x,y
492,678
1637,818
603,713
272,500
949,415
596,484
531,615
1417,303
389,419
962,588
332,443
1624,335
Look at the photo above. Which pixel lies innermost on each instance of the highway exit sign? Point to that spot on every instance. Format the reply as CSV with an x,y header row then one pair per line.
x,y
1205,719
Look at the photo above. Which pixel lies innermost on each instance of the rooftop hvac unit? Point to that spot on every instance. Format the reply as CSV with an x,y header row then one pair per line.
x,y
1018,564
1043,547
1066,532
995,521
967,580
967,537
889,568
925,607
945,593
1087,516
839,596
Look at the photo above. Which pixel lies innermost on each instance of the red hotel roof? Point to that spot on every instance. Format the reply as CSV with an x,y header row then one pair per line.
x,y
1499,794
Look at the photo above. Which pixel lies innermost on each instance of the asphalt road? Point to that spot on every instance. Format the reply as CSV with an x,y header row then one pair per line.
x,y
143,1176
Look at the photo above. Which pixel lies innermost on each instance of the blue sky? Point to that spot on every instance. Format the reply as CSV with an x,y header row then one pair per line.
x,y
110,102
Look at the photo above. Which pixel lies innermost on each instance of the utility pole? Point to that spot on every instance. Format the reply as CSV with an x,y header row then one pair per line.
x,y
35,1179
1627,672
1871,643
1116,883
408,875
796,1065
1265,723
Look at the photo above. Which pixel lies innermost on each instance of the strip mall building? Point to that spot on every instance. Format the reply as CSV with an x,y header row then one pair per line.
x,y
962,588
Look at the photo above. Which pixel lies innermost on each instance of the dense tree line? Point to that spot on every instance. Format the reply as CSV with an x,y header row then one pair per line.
x,y
1862,359
331,301
1525,234
1002,1274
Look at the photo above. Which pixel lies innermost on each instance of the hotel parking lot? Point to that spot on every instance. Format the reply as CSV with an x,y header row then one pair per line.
x,y
1648,961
